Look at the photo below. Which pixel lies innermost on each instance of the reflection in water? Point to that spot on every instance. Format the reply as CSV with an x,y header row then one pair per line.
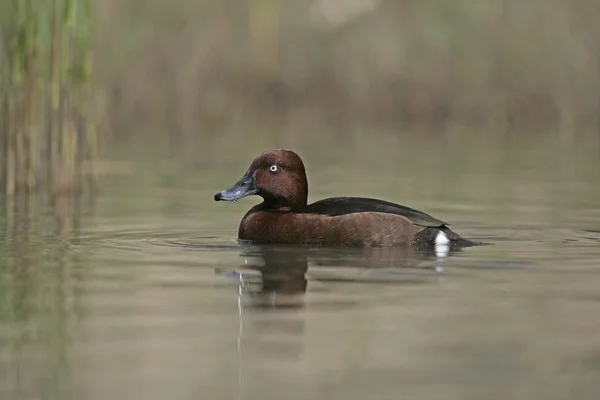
x,y
282,269
40,299
282,283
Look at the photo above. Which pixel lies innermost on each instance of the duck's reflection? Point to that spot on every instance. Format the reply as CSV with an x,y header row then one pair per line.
x,y
276,276
281,275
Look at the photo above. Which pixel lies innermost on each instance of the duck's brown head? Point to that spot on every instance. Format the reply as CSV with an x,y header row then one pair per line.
x,y
277,175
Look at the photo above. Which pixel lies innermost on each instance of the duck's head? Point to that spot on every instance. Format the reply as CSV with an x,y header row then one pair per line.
x,y
277,175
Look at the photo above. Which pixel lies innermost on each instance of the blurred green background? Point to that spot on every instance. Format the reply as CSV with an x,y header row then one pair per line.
x,y
193,67
79,76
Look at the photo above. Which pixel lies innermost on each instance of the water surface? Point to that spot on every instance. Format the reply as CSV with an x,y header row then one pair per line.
x,y
143,292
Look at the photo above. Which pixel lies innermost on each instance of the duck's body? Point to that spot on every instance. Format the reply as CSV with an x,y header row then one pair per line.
x,y
285,217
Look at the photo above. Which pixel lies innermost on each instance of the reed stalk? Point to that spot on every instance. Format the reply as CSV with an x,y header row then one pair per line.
x,y
44,89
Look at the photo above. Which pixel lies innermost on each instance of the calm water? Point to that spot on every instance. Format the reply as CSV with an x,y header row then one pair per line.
x,y
142,292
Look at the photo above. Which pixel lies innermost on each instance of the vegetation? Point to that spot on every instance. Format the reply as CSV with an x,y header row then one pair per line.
x,y
197,68
208,69
45,128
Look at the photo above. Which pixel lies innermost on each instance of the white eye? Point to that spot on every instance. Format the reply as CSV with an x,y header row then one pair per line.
x,y
273,168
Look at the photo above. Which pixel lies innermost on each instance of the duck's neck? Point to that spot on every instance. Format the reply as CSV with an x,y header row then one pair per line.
x,y
288,198
280,203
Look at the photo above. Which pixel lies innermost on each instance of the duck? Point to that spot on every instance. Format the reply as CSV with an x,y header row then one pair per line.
x,y
285,217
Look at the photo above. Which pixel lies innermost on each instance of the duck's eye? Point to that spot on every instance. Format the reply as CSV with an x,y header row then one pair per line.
x,y
273,168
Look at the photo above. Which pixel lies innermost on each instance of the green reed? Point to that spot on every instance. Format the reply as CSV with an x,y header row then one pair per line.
x,y
45,129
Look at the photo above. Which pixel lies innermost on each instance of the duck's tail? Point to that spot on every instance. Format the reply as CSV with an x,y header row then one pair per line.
x,y
444,236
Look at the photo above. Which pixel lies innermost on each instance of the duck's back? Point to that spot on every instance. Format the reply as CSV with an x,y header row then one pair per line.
x,y
338,206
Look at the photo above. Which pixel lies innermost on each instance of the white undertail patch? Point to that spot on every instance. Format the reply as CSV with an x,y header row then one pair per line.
x,y
442,244
441,238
